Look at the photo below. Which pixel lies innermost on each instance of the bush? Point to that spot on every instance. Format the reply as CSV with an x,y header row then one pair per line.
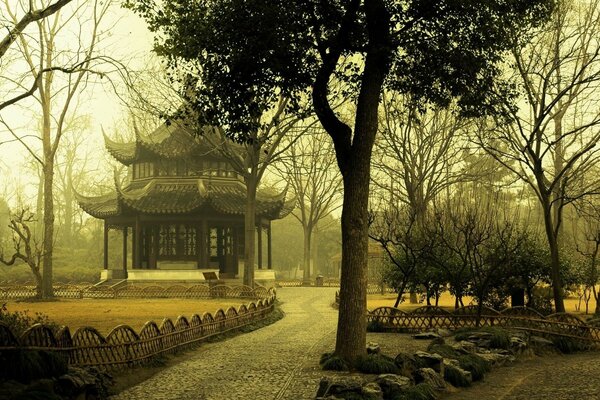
x,y
421,391
443,350
476,365
568,345
25,365
331,362
455,377
376,364
20,321
375,326
499,339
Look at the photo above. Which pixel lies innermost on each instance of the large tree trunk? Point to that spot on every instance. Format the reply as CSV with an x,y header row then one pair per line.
x,y
307,254
352,324
557,289
355,165
250,231
48,241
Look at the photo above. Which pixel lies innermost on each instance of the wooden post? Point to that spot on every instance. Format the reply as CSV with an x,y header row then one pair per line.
x,y
259,237
202,242
105,245
125,229
136,245
269,248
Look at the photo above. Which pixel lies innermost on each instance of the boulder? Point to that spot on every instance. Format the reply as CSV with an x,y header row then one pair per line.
x,y
427,335
444,332
407,364
458,376
391,384
431,360
371,391
373,348
429,376
464,347
338,385
496,359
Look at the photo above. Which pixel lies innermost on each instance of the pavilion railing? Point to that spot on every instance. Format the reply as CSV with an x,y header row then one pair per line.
x,y
76,291
390,319
124,347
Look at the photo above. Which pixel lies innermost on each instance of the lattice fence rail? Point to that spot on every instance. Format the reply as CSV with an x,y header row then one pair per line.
x,y
392,319
124,347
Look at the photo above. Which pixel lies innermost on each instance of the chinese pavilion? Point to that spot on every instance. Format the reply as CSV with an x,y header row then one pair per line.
x,y
183,206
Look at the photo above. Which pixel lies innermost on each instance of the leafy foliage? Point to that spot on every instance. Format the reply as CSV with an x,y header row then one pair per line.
x,y
421,391
376,364
455,377
20,321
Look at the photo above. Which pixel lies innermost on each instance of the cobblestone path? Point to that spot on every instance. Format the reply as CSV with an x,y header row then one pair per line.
x,y
567,377
276,362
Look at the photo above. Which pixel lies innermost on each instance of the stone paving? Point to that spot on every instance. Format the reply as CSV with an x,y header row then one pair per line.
x,y
279,361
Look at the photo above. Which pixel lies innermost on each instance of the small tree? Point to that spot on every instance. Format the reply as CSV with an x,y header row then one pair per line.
x,y
25,246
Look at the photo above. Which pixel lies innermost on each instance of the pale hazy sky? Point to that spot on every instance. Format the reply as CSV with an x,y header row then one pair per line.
x,y
129,41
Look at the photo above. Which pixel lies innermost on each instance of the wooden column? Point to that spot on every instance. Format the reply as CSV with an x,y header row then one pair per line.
x,y
105,245
259,237
202,242
134,238
269,249
125,229
136,244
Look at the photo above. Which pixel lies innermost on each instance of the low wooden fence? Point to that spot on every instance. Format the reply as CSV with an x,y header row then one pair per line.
x,y
124,347
201,291
429,317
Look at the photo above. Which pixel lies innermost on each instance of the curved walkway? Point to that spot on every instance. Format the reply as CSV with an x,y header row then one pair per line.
x,y
568,377
262,364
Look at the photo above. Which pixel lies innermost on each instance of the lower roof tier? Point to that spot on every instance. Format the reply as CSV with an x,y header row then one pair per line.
x,y
183,197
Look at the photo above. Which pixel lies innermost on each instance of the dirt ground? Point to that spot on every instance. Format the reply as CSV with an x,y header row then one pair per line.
x,y
105,314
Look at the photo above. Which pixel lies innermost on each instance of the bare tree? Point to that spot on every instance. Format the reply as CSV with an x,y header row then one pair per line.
x,y
551,140
418,152
251,159
55,96
25,246
309,166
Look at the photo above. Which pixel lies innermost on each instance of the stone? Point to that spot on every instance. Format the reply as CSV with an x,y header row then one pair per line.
x,y
518,343
540,341
371,391
451,361
429,376
444,332
373,348
407,364
432,360
464,347
339,385
426,335
467,377
496,359
392,383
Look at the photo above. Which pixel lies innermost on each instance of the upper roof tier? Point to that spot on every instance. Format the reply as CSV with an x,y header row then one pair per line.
x,y
170,141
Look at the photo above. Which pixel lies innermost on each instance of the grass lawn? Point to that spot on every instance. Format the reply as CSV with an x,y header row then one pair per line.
x,y
447,301
105,314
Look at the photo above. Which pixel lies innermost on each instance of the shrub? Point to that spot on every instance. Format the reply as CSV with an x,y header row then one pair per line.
x,y
375,326
476,365
376,364
568,345
25,365
20,321
331,362
499,339
455,377
443,350
421,391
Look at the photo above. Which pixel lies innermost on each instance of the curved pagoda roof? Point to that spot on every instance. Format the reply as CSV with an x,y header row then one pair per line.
x,y
175,140
186,196
177,194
